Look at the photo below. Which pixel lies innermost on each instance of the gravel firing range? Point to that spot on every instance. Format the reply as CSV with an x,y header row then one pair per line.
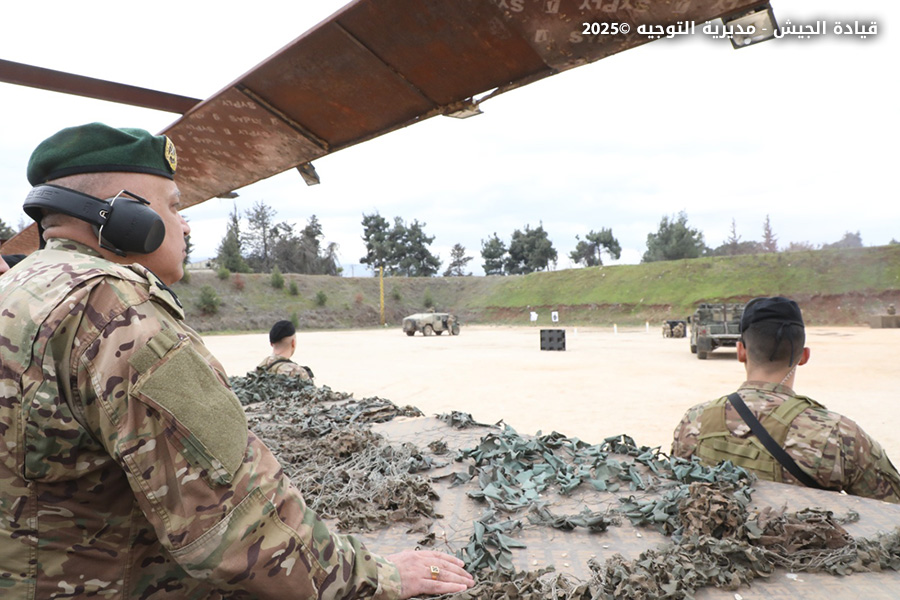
x,y
604,383
466,381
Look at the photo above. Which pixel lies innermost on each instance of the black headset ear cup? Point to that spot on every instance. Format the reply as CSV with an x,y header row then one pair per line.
x,y
133,227
126,222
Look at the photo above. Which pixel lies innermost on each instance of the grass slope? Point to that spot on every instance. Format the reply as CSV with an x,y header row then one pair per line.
x,y
833,286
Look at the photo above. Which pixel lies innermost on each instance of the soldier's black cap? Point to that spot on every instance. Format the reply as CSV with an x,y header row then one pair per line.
x,y
281,330
777,309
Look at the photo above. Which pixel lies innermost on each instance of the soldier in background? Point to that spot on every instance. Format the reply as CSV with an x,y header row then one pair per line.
x,y
283,339
128,469
831,451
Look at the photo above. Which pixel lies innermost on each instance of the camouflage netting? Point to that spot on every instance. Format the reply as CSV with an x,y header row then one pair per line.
x,y
353,475
345,471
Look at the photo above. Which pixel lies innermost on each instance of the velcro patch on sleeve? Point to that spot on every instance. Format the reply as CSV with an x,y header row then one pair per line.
x,y
181,382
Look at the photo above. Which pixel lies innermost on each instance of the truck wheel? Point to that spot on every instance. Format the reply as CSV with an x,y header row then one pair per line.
x,y
427,330
411,333
454,330
693,348
702,355
439,332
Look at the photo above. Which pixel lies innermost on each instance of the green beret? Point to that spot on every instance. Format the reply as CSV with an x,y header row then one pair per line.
x,y
99,148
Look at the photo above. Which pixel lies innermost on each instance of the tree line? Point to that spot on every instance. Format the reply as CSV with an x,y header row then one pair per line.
x,y
403,249
675,240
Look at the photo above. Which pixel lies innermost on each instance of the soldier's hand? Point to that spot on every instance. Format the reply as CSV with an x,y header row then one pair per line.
x,y
430,572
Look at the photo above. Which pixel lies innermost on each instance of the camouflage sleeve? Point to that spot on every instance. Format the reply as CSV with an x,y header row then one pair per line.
x,y
215,495
867,470
684,440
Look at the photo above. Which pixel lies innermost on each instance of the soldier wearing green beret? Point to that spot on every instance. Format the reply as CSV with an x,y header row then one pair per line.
x,y
812,445
128,469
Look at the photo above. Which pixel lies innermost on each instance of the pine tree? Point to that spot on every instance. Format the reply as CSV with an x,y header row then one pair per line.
x,y
458,260
493,251
770,242
229,254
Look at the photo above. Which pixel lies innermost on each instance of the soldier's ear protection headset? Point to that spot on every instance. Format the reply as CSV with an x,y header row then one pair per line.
x,y
124,223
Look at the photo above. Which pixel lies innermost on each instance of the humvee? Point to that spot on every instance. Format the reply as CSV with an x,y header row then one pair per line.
x,y
714,326
431,322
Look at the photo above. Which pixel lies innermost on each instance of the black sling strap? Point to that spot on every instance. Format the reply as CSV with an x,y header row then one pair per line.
x,y
286,360
275,362
771,445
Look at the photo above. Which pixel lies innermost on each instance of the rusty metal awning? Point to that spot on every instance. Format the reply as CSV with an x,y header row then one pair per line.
x,y
379,65
376,66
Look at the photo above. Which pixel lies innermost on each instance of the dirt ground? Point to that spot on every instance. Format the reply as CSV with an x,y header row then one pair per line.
x,y
605,383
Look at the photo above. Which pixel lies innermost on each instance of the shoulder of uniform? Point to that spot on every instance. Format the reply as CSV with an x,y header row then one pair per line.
x,y
158,290
813,403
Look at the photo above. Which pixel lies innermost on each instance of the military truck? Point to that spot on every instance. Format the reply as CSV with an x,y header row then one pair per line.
x,y
431,322
714,326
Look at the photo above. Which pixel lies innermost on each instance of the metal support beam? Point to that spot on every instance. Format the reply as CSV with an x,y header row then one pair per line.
x,y
67,83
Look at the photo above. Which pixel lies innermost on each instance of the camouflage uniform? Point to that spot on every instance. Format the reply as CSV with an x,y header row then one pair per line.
x,y
279,366
127,468
834,450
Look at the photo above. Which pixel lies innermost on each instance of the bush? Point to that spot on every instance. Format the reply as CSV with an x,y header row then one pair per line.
x,y
223,273
209,301
358,299
321,298
428,301
277,279
295,320
294,290
395,294
238,282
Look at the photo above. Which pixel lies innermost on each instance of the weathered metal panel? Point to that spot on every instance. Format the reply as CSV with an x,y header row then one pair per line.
x,y
231,140
336,88
555,29
450,50
378,65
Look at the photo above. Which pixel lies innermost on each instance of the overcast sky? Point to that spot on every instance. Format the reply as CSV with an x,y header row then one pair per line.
x,y
804,131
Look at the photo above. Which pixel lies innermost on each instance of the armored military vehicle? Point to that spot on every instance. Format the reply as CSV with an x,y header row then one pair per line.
x,y
714,326
431,322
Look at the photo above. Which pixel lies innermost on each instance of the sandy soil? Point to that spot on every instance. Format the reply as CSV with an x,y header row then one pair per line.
x,y
607,382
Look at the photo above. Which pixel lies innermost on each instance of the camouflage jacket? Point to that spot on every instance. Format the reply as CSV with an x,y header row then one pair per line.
x,y
281,366
127,469
833,449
